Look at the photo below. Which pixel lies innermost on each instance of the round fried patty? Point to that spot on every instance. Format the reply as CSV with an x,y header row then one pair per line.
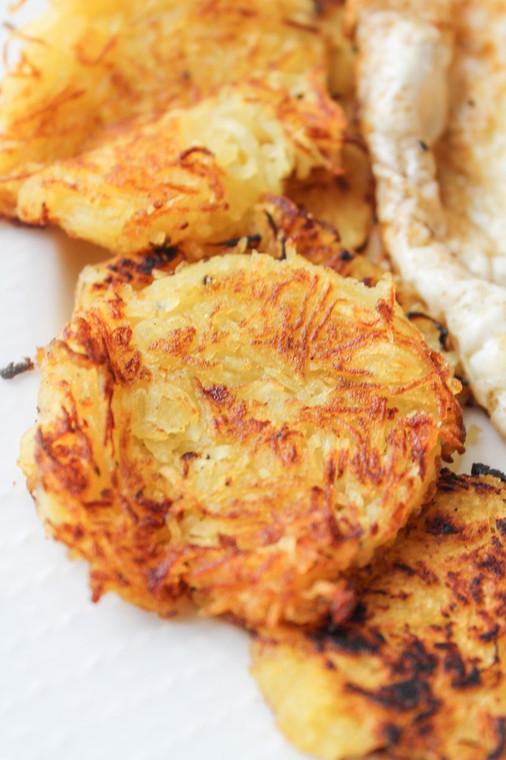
x,y
242,431
418,672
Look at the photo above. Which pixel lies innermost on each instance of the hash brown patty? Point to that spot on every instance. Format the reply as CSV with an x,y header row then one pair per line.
x,y
241,432
418,672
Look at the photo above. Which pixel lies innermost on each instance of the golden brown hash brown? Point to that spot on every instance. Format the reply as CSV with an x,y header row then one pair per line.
x,y
240,432
276,223
131,124
418,672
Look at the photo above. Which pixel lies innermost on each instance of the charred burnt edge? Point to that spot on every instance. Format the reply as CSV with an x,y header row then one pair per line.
x,y
122,268
423,145
473,678
441,526
476,589
434,705
493,564
392,734
271,222
361,248
189,455
501,526
478,468
251,240
346,255
157,258
416,659
443,331
401,696
404,568
16,368
500,749
346,639
359,613
450,481
453,662
459,591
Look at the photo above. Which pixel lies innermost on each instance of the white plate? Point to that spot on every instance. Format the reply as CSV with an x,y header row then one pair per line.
x,y
80,681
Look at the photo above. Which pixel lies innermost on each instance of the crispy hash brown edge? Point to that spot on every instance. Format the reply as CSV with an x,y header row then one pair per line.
x,y
129,139
419,671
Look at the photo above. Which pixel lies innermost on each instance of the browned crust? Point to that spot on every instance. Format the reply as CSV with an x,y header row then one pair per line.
x,y
423,657
280,541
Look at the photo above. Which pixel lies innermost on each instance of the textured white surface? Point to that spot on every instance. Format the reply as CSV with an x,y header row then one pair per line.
x,y
104,682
